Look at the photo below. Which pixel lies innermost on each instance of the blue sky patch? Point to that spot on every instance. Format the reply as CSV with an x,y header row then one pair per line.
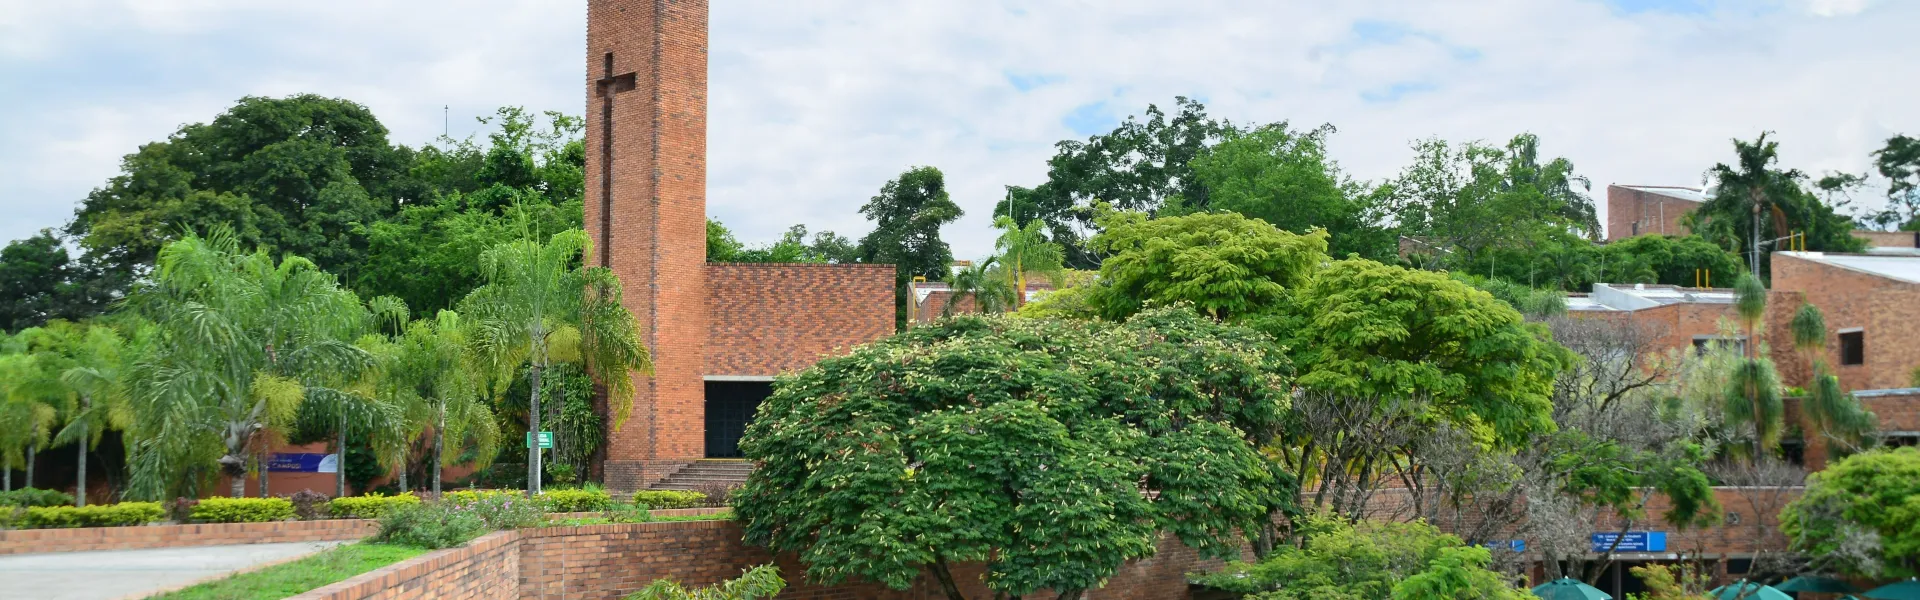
x,y
1092,118
1393,93
1683,7
1028,81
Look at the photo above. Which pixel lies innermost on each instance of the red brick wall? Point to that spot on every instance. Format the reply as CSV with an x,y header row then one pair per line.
x,y
485,569
769,318
1652,213
1887,310
608,561
655,231
1751,521
21,541
1889,239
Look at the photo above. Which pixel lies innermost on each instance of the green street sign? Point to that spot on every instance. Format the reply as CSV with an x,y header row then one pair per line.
x,y
546,440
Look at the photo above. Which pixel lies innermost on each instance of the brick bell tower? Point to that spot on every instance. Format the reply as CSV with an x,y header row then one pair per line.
x,y
646,209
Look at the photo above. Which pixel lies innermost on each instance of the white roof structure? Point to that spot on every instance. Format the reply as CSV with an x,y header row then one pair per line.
x,y
1683,193
1904,268
1629,297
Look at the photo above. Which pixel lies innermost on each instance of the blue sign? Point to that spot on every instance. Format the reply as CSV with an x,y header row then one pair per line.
x,y
303,463
1633,541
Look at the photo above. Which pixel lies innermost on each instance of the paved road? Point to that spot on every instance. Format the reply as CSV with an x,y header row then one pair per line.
x,y
131,573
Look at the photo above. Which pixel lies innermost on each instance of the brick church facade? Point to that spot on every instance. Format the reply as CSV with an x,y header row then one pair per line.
x,y
719,333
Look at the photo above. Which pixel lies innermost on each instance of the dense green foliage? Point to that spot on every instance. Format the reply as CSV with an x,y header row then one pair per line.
x,y
792,247
1223,264
242,510
24,497
1861,515
758,583
124,514
1757,203
1021,443
1899,162
299,576
40,282
1284,177
576,500
1342,560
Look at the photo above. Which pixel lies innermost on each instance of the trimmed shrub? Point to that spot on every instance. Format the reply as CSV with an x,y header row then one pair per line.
x,y
26,497
659,499
563,501
242,510
468,497
371,506
309,505
99,515
431,526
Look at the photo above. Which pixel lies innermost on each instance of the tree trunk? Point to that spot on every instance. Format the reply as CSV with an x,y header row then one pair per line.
x,y
1756,236
437,441
945,577
403,476
8,486
266,462
1071,595
29,465
80,482
340,462
533,433
238,489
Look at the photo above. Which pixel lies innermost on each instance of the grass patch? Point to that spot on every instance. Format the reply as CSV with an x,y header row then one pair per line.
x,y
288,579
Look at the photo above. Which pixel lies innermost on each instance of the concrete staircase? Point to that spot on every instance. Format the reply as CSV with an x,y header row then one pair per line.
x,y
707,474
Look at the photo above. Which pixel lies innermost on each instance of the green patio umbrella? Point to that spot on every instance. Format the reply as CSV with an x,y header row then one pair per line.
x,y
1905,590
1753,591
1824,585
1567,588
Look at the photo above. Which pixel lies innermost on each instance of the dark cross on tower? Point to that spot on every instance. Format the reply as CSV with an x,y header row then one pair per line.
x,y
608,85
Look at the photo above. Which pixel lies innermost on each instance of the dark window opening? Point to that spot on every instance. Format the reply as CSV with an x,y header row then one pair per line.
x,y
1853,347
1794,452
1901,440
1702,344
730,407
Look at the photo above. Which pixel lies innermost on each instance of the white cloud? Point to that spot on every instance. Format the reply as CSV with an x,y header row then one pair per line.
x,y
1837,8
815,104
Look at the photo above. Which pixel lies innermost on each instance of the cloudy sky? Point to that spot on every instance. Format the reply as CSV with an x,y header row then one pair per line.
x,y
816,103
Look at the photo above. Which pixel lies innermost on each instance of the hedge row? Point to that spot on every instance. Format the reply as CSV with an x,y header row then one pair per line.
x,y
124,514
25,497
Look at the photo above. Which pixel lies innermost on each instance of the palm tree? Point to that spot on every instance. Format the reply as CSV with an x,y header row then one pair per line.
x,y
1750,185
95,378
241,341
1026,250
431,372
984,283
26,418
1753,395
1827,410
537,309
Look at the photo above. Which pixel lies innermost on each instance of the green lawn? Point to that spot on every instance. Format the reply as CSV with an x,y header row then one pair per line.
x,y
283,580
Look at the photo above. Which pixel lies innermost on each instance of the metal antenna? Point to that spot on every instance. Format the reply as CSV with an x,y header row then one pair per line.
x,y
446,120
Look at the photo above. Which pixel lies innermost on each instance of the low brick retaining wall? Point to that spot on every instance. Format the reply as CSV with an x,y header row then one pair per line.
x,y
606,562
22,541
485,569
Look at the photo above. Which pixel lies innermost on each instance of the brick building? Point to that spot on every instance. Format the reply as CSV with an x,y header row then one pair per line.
x,y
719,333
1642,209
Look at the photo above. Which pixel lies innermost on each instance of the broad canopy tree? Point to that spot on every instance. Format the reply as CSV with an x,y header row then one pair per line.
x,y
1053,451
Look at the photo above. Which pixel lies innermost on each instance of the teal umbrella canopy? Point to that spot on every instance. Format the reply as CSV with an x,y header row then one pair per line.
x,y
1824,585
1753,591
1905,590
1567,588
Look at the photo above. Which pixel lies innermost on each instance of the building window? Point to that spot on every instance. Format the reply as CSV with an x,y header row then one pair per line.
x,y
1703,343
1853,347
1900,439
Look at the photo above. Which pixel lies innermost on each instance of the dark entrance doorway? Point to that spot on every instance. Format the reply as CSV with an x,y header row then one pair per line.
x,y
730,406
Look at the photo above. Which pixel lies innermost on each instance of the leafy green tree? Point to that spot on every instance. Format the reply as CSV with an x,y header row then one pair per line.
x,y
539,307
241,341
429,374
758,583
1284,177
907,216
30,407
793,247
296,175
1460,573
1053,451
983,283
1225,264
1756,203
1827,411
1138,166
1859,515
1753,393
39,282
1467,203
1387,354
1899,162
